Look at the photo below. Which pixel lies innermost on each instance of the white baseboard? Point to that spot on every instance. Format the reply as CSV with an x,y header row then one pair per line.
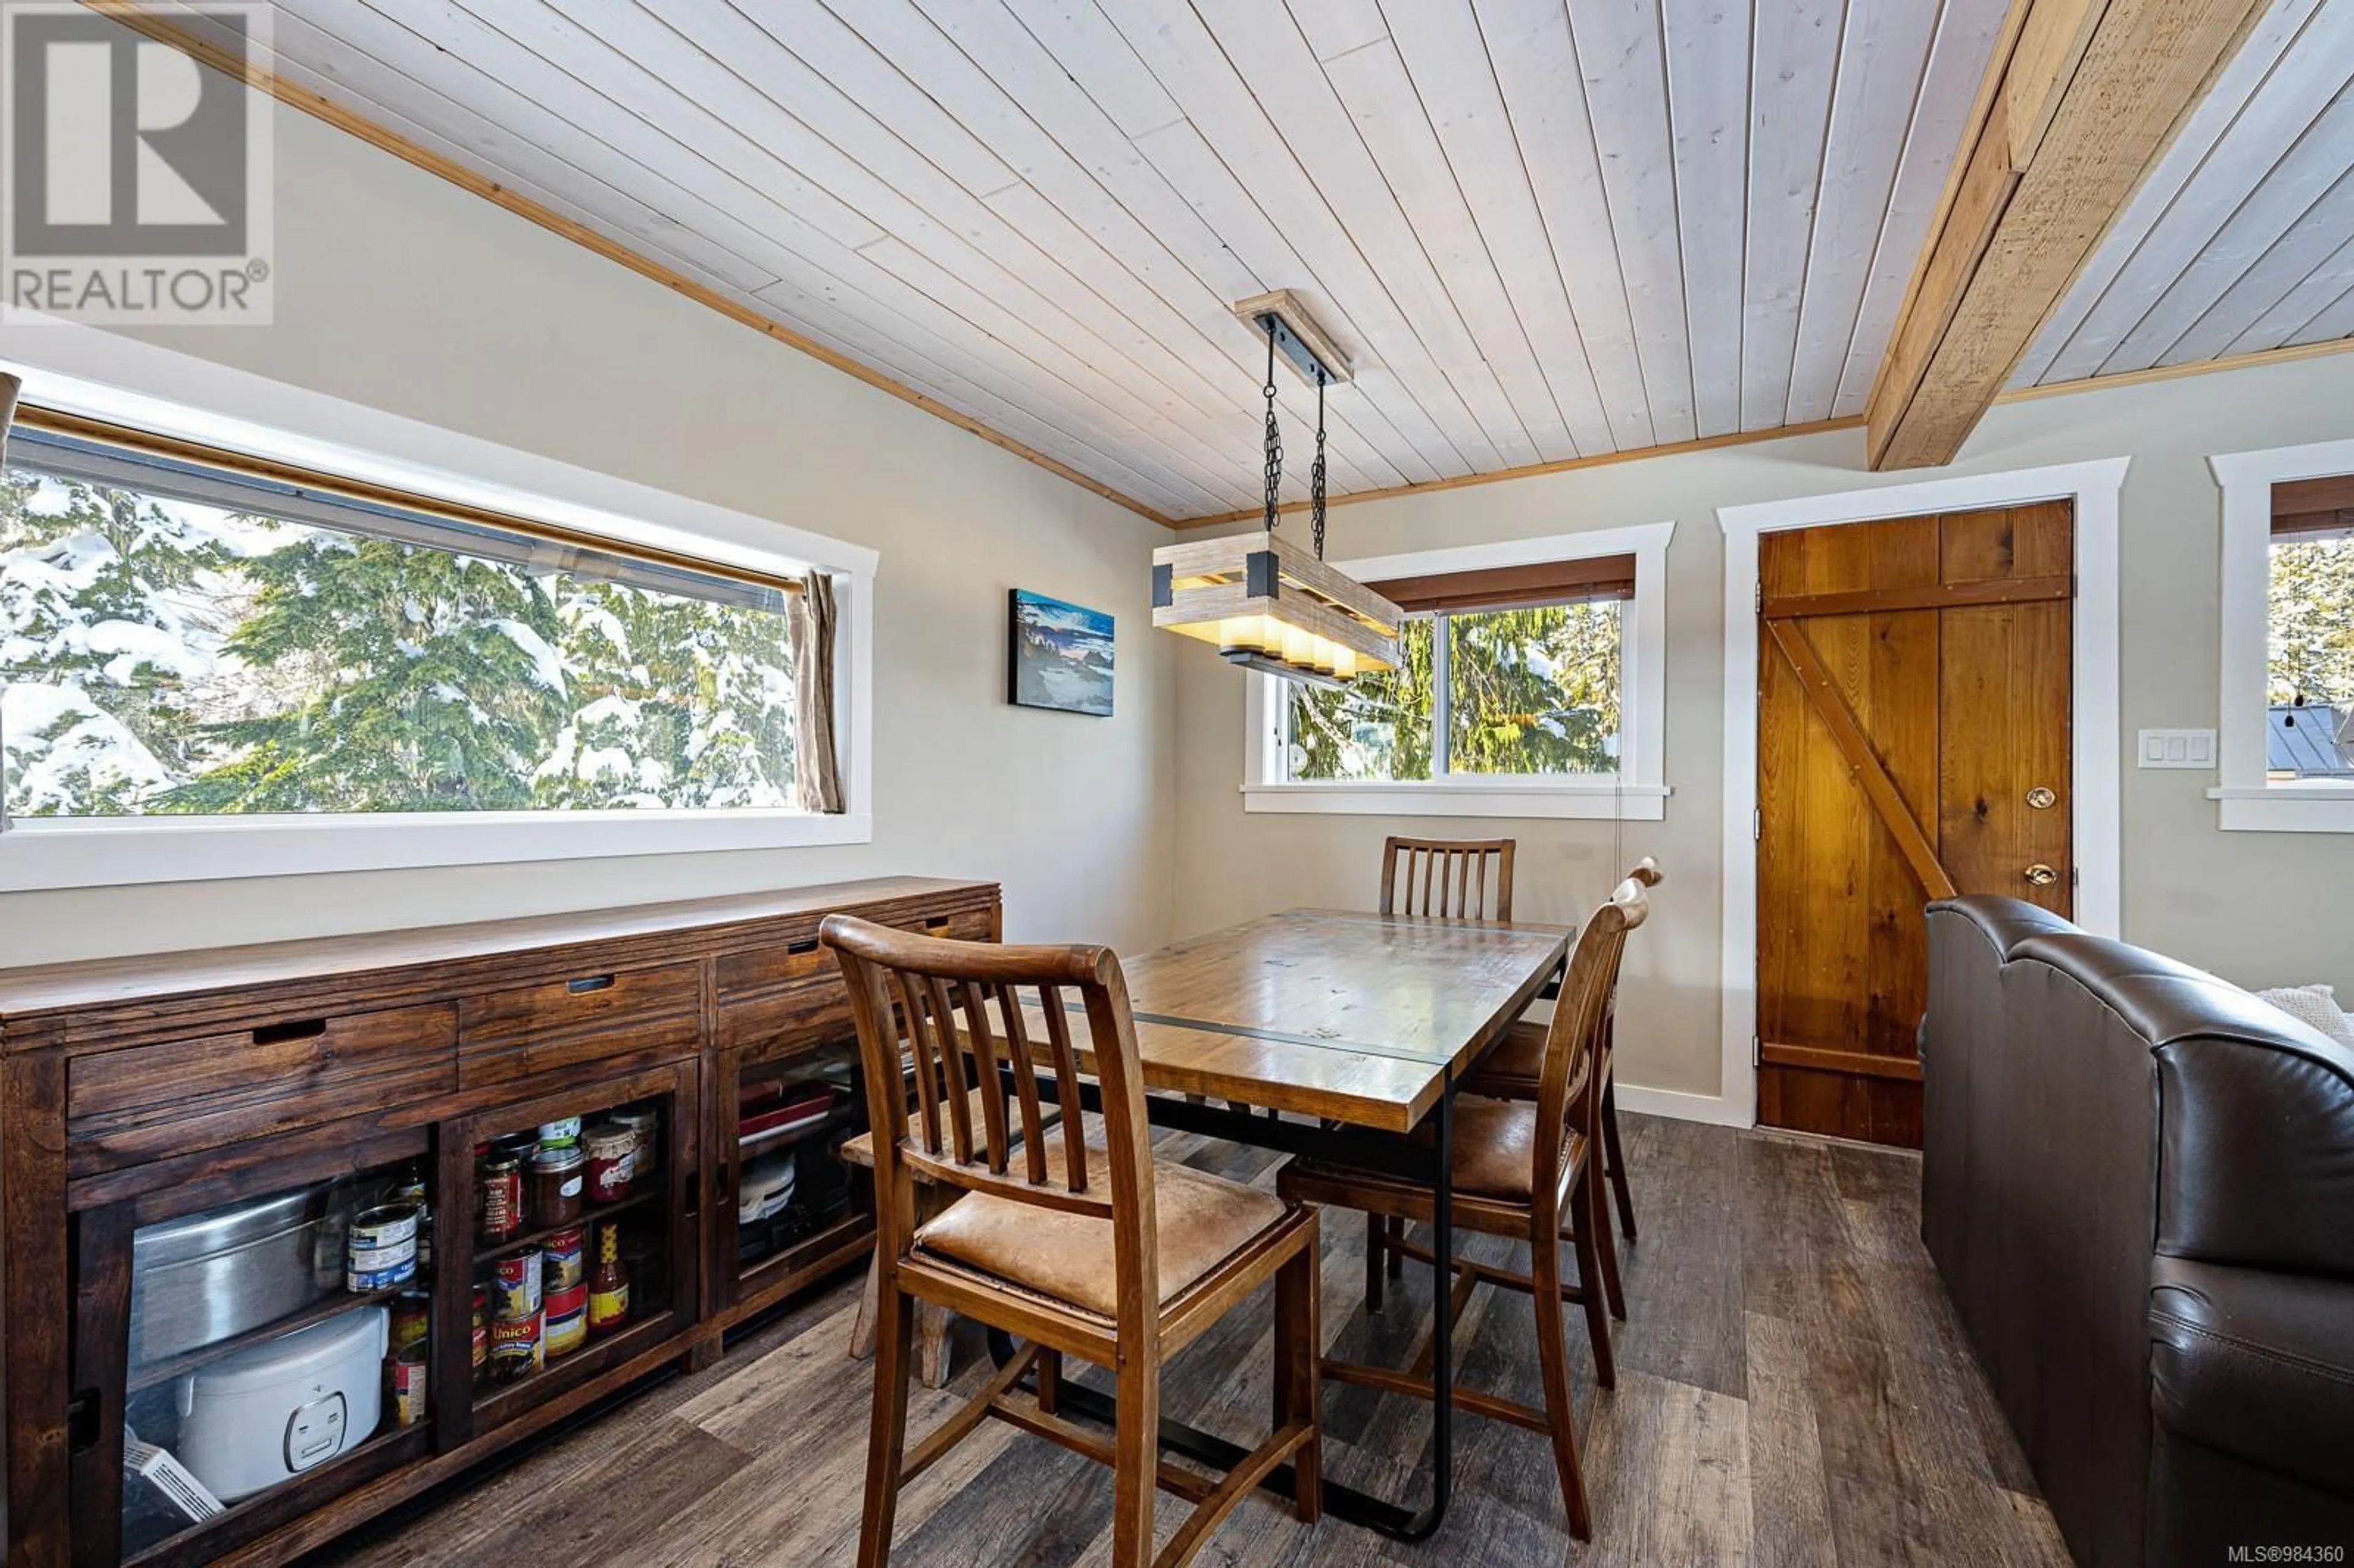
x,y
1712,1109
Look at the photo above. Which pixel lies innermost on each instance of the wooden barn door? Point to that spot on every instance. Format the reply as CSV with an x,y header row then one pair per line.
x,y
1913,741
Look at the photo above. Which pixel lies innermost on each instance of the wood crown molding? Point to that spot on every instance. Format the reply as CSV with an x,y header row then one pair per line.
x,y
1536,470
138,16
2287,354
2070,116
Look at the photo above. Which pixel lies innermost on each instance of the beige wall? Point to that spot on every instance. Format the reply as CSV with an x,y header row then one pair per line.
x,y
2260,908
403,292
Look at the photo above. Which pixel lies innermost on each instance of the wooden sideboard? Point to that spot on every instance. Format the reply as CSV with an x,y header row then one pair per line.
x,y
134,1093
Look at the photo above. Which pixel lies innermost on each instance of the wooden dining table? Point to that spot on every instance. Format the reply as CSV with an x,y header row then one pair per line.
x,y
1339,1036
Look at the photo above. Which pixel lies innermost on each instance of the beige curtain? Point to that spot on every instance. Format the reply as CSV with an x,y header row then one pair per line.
x,y
817,771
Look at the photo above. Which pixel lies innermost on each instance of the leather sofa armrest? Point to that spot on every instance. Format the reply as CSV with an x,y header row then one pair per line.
x,y
2256,1364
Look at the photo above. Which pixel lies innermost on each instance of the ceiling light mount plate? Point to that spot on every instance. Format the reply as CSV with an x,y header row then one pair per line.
x,y
1302,344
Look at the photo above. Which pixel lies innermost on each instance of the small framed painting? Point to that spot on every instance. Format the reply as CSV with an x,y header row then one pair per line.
x,y
1059,655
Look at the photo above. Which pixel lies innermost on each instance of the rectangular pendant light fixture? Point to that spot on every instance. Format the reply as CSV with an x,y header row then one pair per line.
x,y
1267,604
1262,601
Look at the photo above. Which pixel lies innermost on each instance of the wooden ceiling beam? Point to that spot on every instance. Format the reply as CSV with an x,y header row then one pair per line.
x,y
2076,111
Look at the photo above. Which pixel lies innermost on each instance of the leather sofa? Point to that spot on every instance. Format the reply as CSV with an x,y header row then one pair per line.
x,y
2138,1183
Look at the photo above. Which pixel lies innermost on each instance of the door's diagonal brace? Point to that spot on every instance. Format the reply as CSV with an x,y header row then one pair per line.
x,y
1887,800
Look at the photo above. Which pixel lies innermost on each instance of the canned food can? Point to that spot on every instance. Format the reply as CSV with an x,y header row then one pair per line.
x,y
567,1321
385,1226
515,1348
412,1318
482,1334
515,1287
381,1246
409,1386
564,1259
563,1130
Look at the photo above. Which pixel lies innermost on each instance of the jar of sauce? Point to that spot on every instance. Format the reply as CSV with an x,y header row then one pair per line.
x,y
612,1162
408,1380
412,1318
556,1185
608,1284
498,1188
643,1122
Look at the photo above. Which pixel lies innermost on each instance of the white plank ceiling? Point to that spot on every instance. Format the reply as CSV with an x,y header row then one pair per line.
x,y
1539,230
2241,238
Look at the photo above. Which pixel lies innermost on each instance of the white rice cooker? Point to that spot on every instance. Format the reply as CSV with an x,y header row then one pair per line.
x,y
265,1415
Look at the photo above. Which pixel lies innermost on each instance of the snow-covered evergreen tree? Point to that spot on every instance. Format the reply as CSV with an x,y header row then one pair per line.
x,y
107,615
161,656
438,685
678,701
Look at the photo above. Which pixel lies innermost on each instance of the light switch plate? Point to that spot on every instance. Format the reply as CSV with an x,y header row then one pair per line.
x,y
2178,749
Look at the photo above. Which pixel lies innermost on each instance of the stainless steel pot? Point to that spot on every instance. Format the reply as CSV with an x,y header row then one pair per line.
x,y
199,1280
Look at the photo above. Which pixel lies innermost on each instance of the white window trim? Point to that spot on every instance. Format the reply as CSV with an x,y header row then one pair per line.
x,y
2245,801
81,370
1638,793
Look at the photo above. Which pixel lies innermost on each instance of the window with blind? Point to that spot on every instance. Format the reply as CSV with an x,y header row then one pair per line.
x,y
184,637
1508,673
2309,625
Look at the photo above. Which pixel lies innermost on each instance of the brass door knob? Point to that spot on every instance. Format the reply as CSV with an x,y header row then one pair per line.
x,y
2041,798
2042,875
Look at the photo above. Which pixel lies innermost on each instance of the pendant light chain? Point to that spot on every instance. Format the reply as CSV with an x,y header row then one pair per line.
x,y
1264,605
1316,472
1273,435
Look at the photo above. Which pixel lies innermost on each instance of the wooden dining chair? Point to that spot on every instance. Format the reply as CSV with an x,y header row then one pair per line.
x,y
1510,1071
1456,879
1524,1171
1100,1254
932,1322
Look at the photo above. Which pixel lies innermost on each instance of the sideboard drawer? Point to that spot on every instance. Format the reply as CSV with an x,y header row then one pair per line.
x,y
793,1017
778,963
126,1106
789,996
649,1014
958,926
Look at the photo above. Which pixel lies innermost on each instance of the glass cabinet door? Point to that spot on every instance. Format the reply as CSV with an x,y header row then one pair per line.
x,y
794,1199
275,1341
580,1233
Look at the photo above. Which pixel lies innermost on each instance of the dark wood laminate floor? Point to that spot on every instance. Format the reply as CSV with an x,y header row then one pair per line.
x,y
1793,1389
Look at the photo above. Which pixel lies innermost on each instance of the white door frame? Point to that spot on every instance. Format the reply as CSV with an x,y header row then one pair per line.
x,y
2097,738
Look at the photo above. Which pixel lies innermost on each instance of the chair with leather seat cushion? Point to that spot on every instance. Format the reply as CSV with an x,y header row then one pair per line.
x,y
1510,1071
1078,1248
1523,1170
932,1364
